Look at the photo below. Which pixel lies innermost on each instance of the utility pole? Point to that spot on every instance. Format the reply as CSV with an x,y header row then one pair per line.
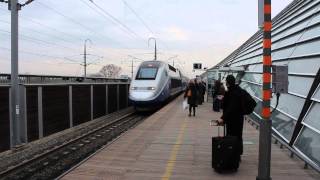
x,y
14,6
175,56
133,60
155,50
15,98
266,123
132,68
85,57
155,47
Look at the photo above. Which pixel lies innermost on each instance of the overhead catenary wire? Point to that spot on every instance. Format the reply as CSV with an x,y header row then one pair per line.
x,y
144,22
83,26
34,54
35,40
52,28
66,33
69,35
115,19
79,24
39,32
106,17
138,16
31,39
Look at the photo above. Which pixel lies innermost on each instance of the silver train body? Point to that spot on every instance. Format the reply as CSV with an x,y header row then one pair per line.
x,y
154,83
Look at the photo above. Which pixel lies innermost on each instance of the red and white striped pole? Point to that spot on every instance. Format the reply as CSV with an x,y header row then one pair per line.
x,y
266,123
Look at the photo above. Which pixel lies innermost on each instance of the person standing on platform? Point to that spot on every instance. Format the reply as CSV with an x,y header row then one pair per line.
x,y
191,93
232,115
217,95
203,86
199,91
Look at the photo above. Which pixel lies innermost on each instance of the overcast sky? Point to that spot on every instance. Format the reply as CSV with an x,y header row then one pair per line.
x,y
52,32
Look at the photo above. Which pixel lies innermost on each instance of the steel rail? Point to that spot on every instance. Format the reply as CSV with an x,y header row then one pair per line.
x,y
115,125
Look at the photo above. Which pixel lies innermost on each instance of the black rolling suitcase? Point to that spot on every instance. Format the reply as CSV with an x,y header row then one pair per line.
x,y
225,152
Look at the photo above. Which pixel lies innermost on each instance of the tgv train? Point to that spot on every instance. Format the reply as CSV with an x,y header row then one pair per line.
x,y
154,83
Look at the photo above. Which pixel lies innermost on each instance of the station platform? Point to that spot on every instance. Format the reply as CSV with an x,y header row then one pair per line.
x,y
171,145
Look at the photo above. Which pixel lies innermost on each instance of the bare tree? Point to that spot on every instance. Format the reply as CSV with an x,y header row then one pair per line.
x,y
110,71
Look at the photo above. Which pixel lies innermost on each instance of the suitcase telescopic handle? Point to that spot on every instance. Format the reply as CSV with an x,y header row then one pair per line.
x,y
215,123
224,130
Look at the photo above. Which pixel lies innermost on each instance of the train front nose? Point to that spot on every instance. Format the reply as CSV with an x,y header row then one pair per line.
x,y
141,96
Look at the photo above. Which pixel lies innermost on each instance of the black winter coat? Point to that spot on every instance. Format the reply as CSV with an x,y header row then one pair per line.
x,y
193,99
218,90
232,113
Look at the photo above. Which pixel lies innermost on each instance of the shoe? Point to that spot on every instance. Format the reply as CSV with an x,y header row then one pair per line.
x,y
189,115
194,115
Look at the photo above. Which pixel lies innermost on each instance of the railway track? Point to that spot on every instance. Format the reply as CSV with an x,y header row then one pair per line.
x,y
54,162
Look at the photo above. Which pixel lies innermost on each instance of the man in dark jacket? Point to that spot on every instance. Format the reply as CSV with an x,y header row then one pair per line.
x,y
232,110
218,90
203,92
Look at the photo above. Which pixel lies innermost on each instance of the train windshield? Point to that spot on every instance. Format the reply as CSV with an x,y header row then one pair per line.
x,y
148,73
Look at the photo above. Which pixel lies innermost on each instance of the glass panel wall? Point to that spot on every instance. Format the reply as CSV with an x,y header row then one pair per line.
x,y
289,104
308,143
316,96
296,42
313,116
283,124
300,85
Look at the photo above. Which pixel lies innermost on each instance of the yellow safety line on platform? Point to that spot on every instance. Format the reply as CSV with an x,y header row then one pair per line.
x,y
173,156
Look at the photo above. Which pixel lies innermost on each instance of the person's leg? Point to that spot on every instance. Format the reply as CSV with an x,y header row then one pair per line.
x,y
240,136
213,105
190,109
228,130
241,146
194,111
218,105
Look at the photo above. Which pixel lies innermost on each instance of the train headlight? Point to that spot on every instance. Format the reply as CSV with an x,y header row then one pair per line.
x,y
151,88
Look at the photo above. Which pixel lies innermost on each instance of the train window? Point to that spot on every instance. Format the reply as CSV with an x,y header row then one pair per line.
x,y
149,73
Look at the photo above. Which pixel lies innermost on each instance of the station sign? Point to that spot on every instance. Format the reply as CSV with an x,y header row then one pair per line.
x,y
197,66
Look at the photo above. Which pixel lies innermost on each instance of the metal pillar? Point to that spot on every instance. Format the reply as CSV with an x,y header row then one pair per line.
x,y
127,94
132,69
40,112
23,114
85,61
15,97
85,57
207,86
70,107
155,50
91,101
107,100
118,97
155,47
266,123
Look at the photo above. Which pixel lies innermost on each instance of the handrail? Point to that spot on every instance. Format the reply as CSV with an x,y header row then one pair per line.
x,y
306,160
39,79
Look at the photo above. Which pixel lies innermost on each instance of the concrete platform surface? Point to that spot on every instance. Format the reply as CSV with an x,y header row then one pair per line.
x,y
171,145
